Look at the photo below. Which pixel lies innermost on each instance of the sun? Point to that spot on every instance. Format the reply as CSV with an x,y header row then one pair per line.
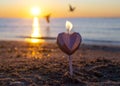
x,y
35,11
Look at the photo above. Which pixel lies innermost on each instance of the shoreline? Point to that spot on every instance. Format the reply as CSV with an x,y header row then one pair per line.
x,y
44,64
53,42
53,39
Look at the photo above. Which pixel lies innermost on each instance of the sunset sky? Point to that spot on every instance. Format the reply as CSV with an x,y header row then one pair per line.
x,y
59,8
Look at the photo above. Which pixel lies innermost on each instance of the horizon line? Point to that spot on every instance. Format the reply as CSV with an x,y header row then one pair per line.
x,y
53,17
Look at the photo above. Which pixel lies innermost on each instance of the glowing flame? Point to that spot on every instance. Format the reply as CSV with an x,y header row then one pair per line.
x,y
69,26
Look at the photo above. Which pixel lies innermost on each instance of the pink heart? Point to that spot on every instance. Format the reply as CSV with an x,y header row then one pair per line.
x,y
69,43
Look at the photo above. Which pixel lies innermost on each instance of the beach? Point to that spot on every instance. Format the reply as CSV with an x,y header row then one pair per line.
x,y
59,43
44,64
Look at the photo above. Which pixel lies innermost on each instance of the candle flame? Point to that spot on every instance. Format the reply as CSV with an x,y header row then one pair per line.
x,y
69,26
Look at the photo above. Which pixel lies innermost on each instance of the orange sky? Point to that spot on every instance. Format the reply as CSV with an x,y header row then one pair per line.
x,y
59,8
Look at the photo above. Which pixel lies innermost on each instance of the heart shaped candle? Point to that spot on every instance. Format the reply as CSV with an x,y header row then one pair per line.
x,y
69,43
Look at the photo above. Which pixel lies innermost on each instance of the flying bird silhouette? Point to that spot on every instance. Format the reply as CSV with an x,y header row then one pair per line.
x,y
47,17
71,9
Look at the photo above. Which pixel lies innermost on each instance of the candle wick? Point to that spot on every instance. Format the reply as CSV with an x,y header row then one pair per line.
x,y
68,31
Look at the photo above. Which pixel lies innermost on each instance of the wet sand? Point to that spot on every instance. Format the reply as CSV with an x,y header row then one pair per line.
x,y
44,64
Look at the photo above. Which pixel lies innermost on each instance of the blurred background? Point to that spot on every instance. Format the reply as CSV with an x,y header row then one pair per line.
x,y
98,21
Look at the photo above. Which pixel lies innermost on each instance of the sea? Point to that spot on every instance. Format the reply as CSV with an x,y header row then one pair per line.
x,y
100,31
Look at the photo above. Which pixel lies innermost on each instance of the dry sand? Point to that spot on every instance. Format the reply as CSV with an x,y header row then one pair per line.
x,y
44,64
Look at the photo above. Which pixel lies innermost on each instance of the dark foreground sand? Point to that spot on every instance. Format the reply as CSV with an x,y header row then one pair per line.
x,y
27,64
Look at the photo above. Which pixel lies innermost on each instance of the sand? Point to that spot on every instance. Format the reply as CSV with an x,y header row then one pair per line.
x,y
44,64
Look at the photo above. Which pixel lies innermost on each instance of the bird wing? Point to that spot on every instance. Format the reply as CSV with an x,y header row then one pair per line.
x,y
71,8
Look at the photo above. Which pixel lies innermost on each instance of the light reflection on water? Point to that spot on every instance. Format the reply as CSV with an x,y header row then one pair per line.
x,y
36,32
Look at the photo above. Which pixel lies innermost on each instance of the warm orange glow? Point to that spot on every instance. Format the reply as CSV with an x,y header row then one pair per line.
x,y
35,11
36,32
59,8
